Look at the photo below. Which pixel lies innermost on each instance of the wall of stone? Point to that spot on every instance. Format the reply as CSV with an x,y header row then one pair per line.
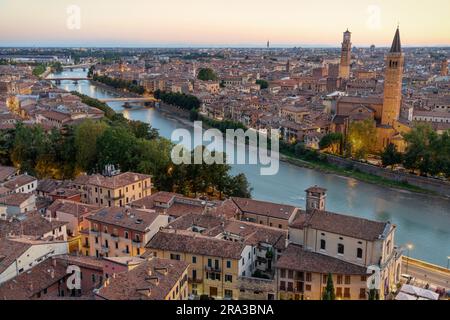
x,y
438,186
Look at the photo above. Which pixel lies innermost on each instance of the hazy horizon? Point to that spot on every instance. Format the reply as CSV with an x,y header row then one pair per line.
x,y
213,23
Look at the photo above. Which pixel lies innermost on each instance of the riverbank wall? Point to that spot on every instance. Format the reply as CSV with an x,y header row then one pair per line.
x,y
437,186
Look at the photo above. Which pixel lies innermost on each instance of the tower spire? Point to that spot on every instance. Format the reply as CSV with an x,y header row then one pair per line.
x,y
396,43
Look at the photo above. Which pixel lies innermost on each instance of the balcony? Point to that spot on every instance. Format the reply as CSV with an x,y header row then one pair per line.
x,y
213,269
195,280
115,198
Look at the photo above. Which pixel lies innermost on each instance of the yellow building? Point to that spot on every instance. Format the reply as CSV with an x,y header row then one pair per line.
x,y
303,275
114,190
215,265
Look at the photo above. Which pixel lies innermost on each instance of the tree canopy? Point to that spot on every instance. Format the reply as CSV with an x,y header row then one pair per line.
x,y
207,74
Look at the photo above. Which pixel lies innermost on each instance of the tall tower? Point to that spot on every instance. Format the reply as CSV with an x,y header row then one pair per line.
x,y
288,66
315,199
346,55
444,68
393,82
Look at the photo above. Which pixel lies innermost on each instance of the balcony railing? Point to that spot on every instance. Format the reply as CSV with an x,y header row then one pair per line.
x,y
212,269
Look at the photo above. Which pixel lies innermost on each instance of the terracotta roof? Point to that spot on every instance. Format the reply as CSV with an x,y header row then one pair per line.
x,y
19,181
15,199
350,226
74,208
27,284
279,211
6,172
118,181
128,218
151,280
296,258
9,251
195,244
33,225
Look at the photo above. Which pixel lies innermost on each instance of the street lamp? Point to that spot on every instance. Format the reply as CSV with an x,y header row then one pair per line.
x,y
409,246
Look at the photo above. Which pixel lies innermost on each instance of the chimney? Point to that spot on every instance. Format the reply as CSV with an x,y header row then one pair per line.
x,y
30,286
52,273
54,261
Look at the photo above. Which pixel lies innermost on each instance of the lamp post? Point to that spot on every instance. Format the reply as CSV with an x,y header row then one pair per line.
x,y
409,246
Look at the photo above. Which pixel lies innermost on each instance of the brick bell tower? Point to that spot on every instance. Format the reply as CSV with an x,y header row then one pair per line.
x,y
393,82
346,56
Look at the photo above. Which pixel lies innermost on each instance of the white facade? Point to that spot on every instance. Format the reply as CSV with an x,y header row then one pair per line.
x,y
36,254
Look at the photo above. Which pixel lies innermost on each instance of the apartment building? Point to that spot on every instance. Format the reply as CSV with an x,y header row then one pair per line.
x,y
215,265
115,232
113,190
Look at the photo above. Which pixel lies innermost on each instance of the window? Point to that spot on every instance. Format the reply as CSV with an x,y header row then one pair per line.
x,y
209,263
174,256
346,292
194,259
117,245
324,278
282,285
359,253
338,292
339,279
93,278
323,244
290,274
290,286
363,278
283,273
228,294
308,287
194,274
228,278
126,234
228,264
308,277
96,239
347,279
340,248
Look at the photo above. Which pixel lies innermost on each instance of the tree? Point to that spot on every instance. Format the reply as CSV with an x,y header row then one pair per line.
x,y
262,83
238,186
390,156
86,136
328,293
206,74
362,138
374,294
332,142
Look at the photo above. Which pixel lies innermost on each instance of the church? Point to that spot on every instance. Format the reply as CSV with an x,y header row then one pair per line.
x,y
385,110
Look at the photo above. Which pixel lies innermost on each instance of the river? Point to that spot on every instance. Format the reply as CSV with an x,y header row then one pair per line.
x,y
423,221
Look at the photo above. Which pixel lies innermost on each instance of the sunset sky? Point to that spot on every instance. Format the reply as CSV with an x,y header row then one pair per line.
x,y
222,22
